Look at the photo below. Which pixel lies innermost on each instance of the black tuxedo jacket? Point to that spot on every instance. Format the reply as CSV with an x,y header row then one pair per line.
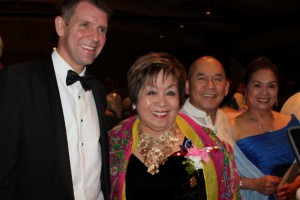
x,y
34,157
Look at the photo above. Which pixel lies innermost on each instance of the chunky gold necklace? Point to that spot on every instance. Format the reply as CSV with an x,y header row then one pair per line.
x,y
155,151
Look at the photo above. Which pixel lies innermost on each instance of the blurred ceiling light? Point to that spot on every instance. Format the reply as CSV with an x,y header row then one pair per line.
x,y
208,12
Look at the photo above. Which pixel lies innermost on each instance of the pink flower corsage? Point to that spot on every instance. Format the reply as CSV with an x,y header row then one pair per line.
x,y
195,159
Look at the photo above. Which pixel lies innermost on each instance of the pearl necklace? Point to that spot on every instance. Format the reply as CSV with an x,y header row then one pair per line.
x,y
155,151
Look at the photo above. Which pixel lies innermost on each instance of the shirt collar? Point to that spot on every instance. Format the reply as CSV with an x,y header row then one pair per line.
x,y
199,115
61,67
193,110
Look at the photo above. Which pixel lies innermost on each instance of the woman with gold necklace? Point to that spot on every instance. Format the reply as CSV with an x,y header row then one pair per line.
x,y
160,154
261,134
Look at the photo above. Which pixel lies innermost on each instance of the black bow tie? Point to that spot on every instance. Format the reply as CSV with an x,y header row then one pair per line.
x,y
86,81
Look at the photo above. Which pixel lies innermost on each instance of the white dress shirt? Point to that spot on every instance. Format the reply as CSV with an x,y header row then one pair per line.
x,y
221,125
83,133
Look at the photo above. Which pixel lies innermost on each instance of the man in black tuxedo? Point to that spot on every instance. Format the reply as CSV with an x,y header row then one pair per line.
x,y
53,139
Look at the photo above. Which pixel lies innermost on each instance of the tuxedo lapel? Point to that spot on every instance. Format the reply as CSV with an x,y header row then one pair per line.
x,y
60,144
100,101
100,104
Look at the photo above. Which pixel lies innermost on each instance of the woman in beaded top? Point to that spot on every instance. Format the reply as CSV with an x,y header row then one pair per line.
x,y
261,134
160,154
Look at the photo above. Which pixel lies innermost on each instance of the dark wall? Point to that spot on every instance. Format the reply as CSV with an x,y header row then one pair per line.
x,y
30,37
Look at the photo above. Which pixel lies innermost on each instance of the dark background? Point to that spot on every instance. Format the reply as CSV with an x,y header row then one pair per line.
x,y
235,32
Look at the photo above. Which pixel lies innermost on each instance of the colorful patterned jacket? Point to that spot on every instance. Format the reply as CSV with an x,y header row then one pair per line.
x,y
220,173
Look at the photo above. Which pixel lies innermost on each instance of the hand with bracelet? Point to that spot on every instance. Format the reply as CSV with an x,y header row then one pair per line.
x,y
266,185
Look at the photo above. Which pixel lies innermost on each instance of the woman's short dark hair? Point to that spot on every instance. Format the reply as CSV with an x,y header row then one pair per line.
x,y
148,66
68,8
258,64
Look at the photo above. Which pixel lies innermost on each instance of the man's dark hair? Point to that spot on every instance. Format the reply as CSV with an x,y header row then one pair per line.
x,y
68,8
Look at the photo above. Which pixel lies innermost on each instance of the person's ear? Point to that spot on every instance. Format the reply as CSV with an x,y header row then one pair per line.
x,y
187,87
226,88
59,25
